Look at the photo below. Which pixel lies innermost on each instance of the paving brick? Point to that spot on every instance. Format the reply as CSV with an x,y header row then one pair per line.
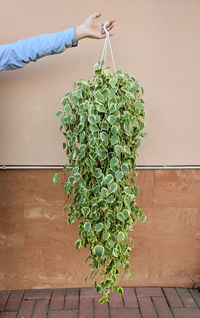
x,y
148,291
162,307
57,299
146,307
124,313
71,298
37,294
14,300
8,314
186,297
129,296
26,309
116,300
101,310
86,308
172,297
4,294
186,312
89,292
41,308
196,295
63,314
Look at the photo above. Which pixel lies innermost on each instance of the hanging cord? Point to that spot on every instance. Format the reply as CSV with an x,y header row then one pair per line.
x,y
104,53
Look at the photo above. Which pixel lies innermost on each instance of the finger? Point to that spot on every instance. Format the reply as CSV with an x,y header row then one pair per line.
x,y
110,27
95,15
109,23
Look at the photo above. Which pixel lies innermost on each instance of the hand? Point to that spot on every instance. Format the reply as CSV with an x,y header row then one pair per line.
x,y
93,29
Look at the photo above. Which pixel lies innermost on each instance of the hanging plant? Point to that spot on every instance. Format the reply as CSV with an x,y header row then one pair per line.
x,y
102,122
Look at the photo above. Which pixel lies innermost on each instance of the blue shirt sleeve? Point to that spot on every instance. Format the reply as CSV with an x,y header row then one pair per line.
x,y
18,54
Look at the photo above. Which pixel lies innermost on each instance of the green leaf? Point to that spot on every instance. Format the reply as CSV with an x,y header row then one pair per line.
x,y
111,217
113,82
115,252
87,226
120,216
119,175
99,97
143,219
112,108
113,90
104,192
135,189
112,187
75,170
85,211
127,190
106,236
111,199
99,289
94,128
86,279
108,179
111,119
98,172
115,130
120,236
92,119
55,177
139,105
132,242
98,227
127,150
78,244
125,168
100,108
104,137
82,136
118,150
114,140
126,213
117,262
127,128
114,162
99,250
120,291
104,125
59,113
67,109
112,241
79,128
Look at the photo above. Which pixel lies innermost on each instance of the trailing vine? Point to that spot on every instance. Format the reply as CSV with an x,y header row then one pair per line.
x,y
102,122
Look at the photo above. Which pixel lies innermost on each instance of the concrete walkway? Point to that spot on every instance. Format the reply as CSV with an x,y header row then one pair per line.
x,y
138,302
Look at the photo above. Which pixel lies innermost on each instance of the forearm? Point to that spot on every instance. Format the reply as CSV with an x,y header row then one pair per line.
x,y
16,55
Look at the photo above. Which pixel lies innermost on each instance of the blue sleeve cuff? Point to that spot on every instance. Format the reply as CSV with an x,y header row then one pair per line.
x,y
70,38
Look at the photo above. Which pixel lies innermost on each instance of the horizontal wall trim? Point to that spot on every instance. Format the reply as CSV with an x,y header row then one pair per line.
x,y
19,167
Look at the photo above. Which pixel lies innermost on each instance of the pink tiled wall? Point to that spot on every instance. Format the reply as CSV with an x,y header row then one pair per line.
x,y
37,247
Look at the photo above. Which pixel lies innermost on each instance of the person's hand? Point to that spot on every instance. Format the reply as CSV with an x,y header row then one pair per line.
x,y
93,29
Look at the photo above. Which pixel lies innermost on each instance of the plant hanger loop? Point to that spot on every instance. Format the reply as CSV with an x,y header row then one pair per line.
x,y
107,41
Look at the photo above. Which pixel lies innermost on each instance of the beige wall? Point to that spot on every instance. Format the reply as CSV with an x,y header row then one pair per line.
x,y
157,41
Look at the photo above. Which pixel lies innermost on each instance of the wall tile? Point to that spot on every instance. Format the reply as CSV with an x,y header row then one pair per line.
x,y
145,181
177,188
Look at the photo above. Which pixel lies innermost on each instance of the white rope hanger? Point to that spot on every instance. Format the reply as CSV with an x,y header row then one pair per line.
x,y
104,53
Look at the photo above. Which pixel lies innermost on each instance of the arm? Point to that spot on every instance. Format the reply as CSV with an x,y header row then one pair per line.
x,y
16,55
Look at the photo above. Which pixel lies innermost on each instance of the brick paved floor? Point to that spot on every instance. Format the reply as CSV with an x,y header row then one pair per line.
x,y
138,302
